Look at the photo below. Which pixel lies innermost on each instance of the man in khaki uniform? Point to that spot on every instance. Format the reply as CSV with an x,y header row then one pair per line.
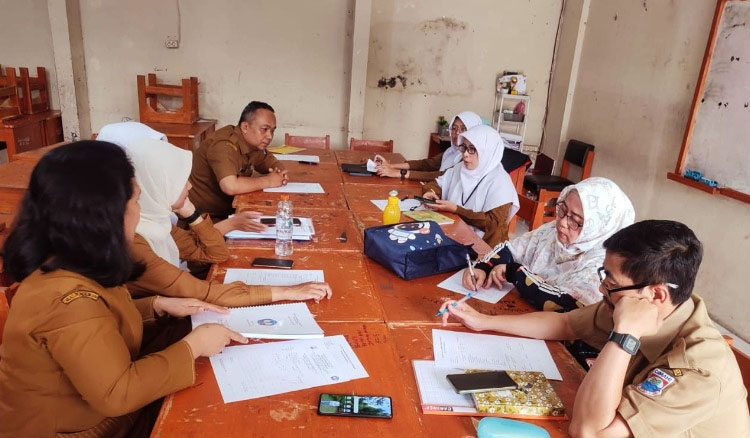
x,y
223,164
664,370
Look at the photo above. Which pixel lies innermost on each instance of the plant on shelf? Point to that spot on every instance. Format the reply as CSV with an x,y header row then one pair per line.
x,y
442,126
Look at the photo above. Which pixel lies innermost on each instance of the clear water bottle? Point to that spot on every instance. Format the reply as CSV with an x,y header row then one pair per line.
x,y
284,227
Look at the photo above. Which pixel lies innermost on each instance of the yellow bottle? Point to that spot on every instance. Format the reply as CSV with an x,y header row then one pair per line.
x,y
392,212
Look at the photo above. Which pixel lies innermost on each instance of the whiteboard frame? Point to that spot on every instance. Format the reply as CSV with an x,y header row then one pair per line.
x,y
681,159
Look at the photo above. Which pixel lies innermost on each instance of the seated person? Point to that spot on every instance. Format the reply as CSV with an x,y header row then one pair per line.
x,y
664,370
430,168
224,162
554,267
478,189
162,172
124,133
77,356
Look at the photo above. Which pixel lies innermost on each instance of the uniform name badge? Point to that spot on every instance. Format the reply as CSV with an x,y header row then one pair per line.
x,y
656,382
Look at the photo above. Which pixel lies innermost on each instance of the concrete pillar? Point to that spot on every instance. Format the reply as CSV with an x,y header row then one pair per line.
x,y
360,53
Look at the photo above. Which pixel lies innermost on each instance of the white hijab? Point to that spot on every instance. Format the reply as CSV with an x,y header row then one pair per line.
x,y
161,170
452,155
125,133
487,186
572,268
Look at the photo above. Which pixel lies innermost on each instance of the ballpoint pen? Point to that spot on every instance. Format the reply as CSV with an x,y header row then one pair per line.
x,y
467,296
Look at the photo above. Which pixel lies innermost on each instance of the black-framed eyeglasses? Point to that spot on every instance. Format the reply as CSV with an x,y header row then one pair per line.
x,y
562,211
470,149
603,276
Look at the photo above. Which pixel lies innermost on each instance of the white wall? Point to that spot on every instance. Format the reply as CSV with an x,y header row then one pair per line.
x,y
27,40
293,55
638,72
450,54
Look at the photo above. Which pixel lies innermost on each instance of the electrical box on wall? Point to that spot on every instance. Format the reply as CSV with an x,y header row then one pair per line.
x,y
172,42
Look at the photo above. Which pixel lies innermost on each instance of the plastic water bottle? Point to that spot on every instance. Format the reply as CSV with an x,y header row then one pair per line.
x,y
284,227
392,211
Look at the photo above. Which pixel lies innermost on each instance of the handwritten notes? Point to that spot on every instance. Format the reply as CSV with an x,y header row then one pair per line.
x,y
490,295
294,187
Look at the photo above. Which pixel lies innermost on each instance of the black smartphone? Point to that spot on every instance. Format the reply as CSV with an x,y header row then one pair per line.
x,y
261,262
425,200
480,382
347,405
271,221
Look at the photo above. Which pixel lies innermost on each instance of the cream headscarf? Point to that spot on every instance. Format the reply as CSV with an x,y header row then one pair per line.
x,y
125,133
452,155
487,186
161,170
572,268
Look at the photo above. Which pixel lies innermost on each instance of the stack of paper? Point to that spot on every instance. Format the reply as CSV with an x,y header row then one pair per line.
x,y
279,321
273,277
304,231
491,295
293,187
253,371
300,158
429,215
405,205
285,149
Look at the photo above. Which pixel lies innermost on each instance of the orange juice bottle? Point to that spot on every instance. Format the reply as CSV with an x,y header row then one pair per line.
x,y
392,212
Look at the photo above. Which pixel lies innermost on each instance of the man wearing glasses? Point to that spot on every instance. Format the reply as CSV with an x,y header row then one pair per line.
x,y
664,370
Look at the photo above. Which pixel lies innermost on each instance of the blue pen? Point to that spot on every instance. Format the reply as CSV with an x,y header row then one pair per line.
x,y
467,296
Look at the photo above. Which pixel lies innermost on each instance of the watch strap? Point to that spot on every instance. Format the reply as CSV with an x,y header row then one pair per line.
x,y
193,217
627,342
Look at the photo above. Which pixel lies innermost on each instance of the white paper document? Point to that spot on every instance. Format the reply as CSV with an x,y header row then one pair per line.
x,y
304,231
273,277
277,321
303,158
251,371
371,166
490,295
434,387
491,352
294,187
407,205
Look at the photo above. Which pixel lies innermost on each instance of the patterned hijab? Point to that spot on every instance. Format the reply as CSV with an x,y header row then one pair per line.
x,y
572,268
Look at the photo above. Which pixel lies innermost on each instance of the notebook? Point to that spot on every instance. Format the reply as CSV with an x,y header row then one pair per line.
x,y
429,215
304,231
534,398
277,321
285,149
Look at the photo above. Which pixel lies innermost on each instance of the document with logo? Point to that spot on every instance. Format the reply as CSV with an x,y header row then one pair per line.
x,y
278,321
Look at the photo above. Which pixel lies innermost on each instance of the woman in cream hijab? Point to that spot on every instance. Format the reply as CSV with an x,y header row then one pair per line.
x,y
555,266
162,172
430,168
478,189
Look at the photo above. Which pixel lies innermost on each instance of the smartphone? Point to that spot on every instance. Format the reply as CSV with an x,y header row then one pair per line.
x,y
271,221
347,405
481,382
425,200
261,262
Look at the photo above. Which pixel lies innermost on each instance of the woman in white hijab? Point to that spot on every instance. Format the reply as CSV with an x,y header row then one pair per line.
x,y
162,172
478,189
430,168
125,133
555,266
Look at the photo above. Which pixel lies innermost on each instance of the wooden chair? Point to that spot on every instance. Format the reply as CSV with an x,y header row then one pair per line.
x,y
371,145
548,187
148,95
743,361
308,142
515,163
31,104
9,94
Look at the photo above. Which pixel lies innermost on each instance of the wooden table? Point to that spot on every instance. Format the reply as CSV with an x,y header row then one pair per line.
x,y
323,172
329,226
333,198
32,131
354,298
360,157
378,180
35,155
14,180
358,196
183,135
325,155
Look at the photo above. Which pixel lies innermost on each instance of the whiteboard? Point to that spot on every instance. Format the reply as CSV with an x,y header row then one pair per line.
x,y
719,146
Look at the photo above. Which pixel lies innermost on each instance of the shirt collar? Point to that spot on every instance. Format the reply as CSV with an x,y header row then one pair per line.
x,y
244,147
653,346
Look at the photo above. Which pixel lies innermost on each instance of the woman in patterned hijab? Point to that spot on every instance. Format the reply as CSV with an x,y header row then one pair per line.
x,y
555,266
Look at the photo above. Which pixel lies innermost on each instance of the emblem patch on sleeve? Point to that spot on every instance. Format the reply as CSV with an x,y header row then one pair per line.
x,y
656,382
67,299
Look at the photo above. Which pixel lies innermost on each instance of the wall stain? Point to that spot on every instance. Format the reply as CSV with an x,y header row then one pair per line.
x,y
645,6
615,17
391,82
443,23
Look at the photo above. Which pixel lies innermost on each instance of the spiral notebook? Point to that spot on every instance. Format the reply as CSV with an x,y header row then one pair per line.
x,y
277,321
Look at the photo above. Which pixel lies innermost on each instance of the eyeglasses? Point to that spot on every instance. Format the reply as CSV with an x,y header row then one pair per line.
x,y
562,211
458,129
603,276
470,149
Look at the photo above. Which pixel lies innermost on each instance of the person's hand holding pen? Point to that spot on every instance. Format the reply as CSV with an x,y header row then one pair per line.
x,y
465,314
473,291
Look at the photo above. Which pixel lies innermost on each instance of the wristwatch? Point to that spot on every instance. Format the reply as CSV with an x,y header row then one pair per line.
x,y
629,343
193,217
403,174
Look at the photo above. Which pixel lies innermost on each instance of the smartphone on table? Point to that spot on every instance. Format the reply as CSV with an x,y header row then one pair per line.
x,y
261,262
425,200
271,221
481,382
348,405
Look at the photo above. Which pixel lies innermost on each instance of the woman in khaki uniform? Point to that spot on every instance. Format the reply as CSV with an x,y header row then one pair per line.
x,y
162,172
71,362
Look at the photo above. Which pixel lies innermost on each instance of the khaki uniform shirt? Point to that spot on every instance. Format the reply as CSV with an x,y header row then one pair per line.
x,y
223,154
69,359
203,243
683,382
426,169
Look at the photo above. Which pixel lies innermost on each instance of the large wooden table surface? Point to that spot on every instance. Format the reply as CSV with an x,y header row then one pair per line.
x,y
387,321
325,155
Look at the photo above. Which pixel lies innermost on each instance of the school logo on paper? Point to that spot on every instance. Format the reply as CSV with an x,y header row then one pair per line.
x,y
656,382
